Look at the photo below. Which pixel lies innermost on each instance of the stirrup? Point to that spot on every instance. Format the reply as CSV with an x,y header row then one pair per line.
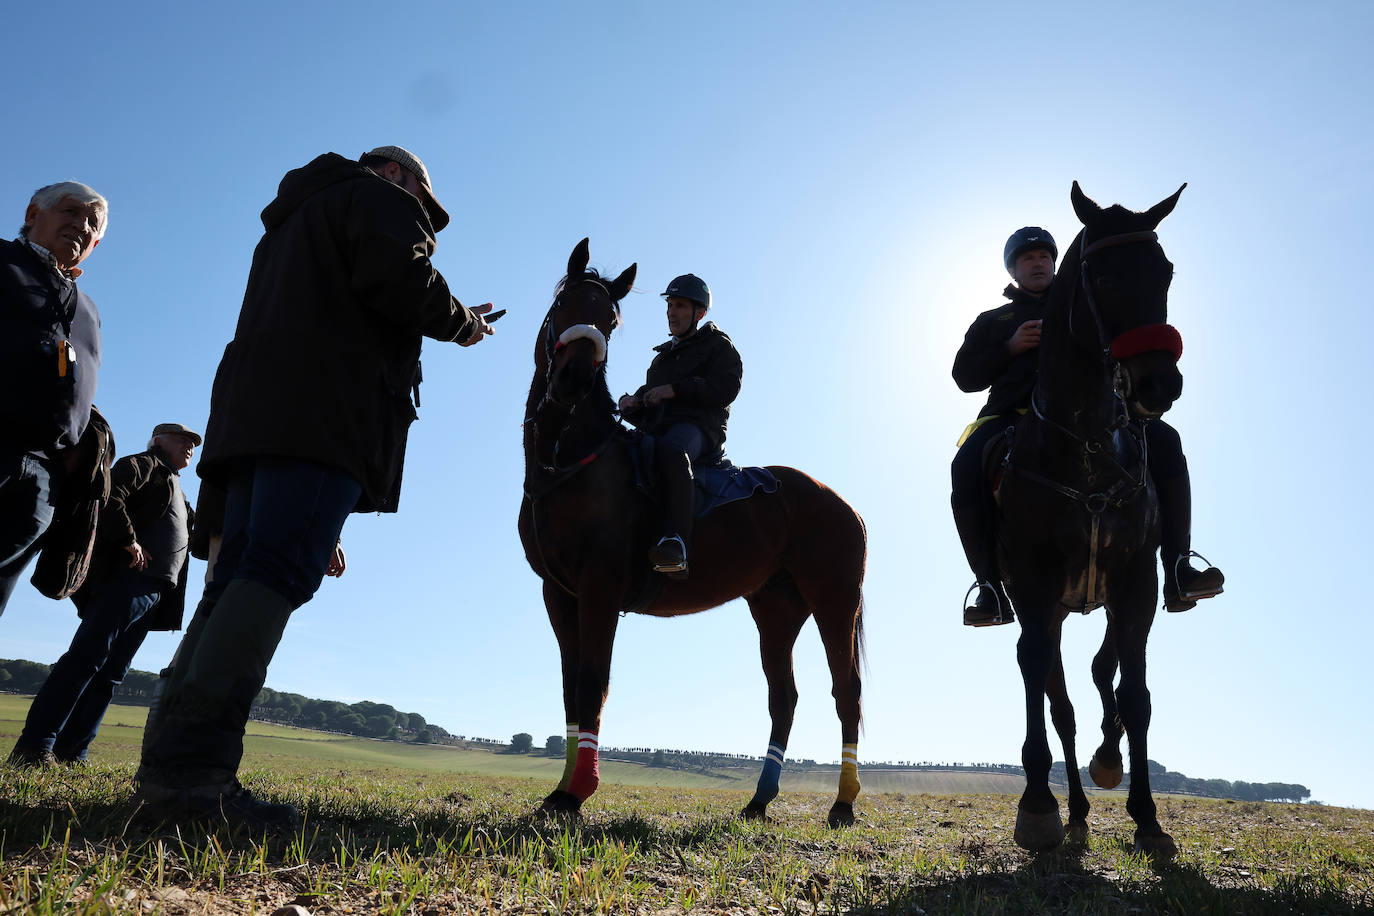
x,y
1002,615
672,566
1178,601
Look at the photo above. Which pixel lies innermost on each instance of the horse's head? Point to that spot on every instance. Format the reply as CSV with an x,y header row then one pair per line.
x,y
573,338
1124,278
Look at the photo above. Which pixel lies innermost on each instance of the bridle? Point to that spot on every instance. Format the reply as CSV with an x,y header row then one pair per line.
x,y
552,344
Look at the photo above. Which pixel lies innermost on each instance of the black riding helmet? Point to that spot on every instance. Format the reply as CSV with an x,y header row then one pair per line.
x,y
690,286
1028,238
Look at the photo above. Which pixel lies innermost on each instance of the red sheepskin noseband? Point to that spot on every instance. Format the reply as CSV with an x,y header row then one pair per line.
x,y
1146,338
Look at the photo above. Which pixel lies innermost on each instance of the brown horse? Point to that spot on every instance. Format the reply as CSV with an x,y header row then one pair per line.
x,y
792,554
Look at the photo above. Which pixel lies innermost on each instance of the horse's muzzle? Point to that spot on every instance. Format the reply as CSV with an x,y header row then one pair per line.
x,y
1153,383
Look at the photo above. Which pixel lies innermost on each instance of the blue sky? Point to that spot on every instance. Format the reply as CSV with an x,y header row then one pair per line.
x,y
844,177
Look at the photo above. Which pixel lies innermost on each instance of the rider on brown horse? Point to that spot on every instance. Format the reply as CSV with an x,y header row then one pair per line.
x,y
694,377
1000,352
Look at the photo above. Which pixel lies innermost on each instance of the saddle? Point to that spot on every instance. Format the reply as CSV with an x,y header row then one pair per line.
x,y
718,480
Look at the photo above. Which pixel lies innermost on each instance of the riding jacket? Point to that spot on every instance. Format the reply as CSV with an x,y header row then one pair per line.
x,y
326,354
705,371
985,362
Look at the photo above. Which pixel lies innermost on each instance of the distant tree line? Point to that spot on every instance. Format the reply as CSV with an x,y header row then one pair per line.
x,y
378,720
364,719
1162,779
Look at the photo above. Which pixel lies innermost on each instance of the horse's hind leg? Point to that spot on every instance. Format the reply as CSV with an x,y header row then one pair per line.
x,y
1105,766
779,613
1061,714
839,619
562,609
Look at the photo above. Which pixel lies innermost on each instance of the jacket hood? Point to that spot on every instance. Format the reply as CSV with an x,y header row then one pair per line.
x,y
300,184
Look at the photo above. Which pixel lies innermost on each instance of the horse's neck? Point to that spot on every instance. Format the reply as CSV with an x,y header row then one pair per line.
x,y
575,432
1074,386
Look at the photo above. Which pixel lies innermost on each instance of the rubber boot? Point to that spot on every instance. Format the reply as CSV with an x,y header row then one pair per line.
x,y
184,649
199,741
1184,586
992,607
669,555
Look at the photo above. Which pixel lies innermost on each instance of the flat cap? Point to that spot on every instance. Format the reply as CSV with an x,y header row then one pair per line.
x,y
176,429
411,163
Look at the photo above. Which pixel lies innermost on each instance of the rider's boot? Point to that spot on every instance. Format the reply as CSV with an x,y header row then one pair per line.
x,y
992,606
669,555
1184,586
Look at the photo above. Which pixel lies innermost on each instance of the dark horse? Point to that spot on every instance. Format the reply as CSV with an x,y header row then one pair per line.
x,y
1079,519
796,553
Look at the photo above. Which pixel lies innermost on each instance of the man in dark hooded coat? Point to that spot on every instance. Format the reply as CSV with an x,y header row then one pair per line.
x,y
308,421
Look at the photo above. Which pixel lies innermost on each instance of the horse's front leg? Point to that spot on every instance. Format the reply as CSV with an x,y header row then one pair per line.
x,y
562,609
1105,766
1133,705
1061,713
1038,825
779,616
597,615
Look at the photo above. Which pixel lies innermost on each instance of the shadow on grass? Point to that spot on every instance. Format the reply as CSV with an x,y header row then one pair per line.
x,y
995,880
1058,882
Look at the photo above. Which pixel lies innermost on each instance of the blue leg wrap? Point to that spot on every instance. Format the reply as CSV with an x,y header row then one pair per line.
x,y
768,780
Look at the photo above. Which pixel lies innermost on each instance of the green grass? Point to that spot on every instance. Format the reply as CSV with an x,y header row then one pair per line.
x,y
406,834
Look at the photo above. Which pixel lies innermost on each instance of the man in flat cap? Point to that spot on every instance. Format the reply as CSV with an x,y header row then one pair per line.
x,y
308,421
49,356
137,584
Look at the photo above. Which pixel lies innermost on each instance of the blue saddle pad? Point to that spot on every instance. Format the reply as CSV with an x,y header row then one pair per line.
x,y
725,482
718,482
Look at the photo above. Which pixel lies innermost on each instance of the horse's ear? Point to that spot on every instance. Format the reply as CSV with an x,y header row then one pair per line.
x,y
1156,214
577,261
621,284
1083,205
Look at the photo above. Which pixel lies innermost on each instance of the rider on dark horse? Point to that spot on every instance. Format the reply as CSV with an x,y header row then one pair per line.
x,y
694,377
1000,352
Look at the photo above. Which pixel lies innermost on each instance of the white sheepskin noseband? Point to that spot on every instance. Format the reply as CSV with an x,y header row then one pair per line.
x,y
588,331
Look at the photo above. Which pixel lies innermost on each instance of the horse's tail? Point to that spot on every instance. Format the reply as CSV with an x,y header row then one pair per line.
x,y
860,669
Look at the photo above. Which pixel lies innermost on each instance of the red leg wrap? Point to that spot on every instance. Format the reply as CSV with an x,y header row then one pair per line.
x,y
586,775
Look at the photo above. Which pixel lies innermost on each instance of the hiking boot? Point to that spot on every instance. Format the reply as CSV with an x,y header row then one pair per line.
x,y
229,803
992,607
669,556
31,758
1185,586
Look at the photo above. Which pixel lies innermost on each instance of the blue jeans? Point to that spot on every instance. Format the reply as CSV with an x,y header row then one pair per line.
x,y
66,713
684,437
282,519
27,495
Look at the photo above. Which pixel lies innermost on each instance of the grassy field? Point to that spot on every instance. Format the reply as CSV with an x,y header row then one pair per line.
x,y
430,831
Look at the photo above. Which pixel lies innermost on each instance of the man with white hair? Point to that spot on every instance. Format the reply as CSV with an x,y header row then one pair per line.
x,y
49,357
137,583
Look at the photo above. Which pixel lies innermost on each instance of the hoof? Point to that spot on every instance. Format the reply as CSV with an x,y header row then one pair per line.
x,y
1158,846
1104,777
1038,832
841,815
559,802
754,812
1077,832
